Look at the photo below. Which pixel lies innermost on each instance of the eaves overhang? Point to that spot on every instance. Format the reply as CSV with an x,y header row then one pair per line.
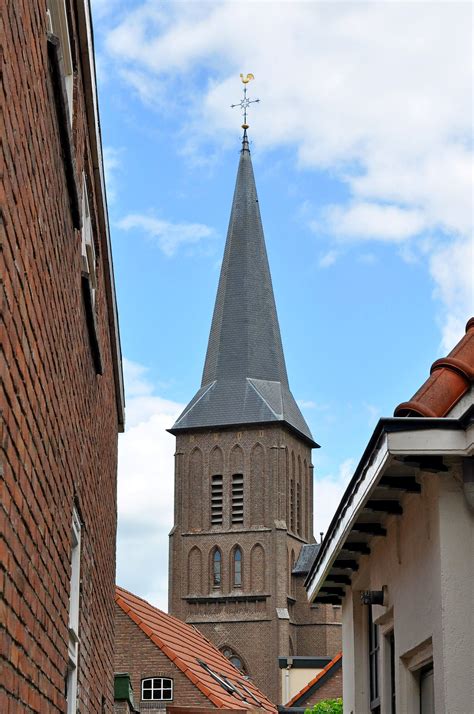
x,y
382,463
242,425
92,109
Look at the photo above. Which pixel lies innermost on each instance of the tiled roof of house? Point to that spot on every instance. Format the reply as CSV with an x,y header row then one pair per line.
x,y
189,650
450,379
327,672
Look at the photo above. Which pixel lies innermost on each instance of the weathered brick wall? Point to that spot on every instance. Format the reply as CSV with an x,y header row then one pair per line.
x,y
136,654
59,438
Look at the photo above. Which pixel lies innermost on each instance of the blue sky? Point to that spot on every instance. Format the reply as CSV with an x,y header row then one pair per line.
x,y
362,154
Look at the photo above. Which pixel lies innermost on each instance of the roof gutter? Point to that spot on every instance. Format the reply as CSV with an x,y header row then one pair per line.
x,y
91,101
392,437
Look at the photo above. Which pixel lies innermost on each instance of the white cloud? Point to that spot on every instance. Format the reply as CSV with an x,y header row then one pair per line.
x,y
328,259
377,93
145,488
306,404
365,220
453,269
112,165
328,491
373,413
310,404
169,236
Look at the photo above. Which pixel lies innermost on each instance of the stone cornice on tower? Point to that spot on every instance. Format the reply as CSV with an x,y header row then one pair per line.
x,y
244,379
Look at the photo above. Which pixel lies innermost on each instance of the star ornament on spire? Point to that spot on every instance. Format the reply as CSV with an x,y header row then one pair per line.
x,y
245,102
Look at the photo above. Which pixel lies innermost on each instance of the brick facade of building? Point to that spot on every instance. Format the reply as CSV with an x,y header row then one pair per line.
x,y
61,388
136,654
268,615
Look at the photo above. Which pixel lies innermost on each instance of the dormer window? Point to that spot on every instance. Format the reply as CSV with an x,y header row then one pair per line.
x,y
157,689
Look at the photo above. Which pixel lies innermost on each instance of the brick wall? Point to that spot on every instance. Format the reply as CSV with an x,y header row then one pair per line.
x,y
136,654
244,617
331,689
59,436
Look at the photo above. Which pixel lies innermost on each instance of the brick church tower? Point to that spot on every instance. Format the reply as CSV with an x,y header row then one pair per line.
x,y
243,528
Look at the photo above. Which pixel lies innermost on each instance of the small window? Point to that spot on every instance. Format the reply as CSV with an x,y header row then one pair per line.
x,y
237,567
298,508
373,664
74,598
391,650
217,568
88,249
216,500
58,25
238,498
157,689
292,506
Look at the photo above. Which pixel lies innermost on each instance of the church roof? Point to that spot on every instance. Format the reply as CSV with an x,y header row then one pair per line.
x,y
306,558
202,663
244,379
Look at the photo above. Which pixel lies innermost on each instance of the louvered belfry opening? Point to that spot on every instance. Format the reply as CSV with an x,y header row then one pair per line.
x,y
216,500
238,498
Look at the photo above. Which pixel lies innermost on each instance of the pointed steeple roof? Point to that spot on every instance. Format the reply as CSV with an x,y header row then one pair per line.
x,y
244,379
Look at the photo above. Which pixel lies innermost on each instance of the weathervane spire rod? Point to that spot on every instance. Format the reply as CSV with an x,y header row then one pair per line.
x,y
245,102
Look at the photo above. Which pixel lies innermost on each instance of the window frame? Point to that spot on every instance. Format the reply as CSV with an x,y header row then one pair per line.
x,y
216,581
89,276
88,252
237,550
373,662
73,615
230,654
157,688
58,25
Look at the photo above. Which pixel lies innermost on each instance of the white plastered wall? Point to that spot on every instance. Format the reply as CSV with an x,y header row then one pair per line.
x,y
426,561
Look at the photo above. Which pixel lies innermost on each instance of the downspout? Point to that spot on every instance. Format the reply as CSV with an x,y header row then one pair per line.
x,y
289,664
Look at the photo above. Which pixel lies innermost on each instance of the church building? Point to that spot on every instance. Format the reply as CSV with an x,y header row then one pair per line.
x,y
242,539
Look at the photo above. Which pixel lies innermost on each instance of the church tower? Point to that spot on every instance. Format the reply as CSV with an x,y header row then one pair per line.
x,y
243,473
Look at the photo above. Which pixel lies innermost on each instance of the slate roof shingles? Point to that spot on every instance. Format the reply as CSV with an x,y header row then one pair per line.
x,y
244,379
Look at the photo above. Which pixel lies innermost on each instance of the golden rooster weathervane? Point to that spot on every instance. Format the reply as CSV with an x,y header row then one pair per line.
x,y
245,102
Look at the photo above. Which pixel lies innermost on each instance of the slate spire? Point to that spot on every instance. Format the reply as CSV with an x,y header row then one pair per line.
x,y
244,379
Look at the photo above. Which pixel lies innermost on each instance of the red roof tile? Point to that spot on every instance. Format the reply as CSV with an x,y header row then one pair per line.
x,y
183,644
450,379
316,679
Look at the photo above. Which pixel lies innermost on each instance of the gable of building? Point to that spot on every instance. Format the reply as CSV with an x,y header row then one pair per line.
x,y
193,657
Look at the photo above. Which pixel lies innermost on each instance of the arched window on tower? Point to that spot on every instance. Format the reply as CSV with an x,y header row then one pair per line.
x,y
216,568
237,567
236,659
